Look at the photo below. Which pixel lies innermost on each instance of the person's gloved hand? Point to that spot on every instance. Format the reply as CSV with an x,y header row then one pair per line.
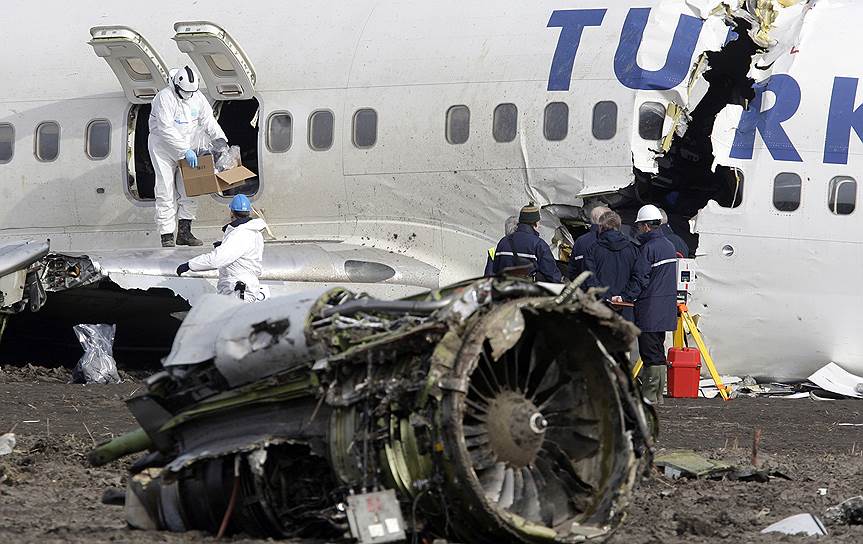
x,y
191,158
220,143
217,244
182,269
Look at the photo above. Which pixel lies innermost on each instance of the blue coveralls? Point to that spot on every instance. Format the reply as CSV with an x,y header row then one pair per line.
x,y
611,260
579,250
679,245
653,287
524,247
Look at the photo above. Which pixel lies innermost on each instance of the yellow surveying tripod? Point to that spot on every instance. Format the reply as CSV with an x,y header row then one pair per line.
x,y
685,324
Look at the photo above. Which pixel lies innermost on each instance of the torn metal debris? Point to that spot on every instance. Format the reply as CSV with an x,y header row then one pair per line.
x,y
493,410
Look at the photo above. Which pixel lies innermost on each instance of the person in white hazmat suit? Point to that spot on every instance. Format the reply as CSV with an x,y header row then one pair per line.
x,y
181,121
239,255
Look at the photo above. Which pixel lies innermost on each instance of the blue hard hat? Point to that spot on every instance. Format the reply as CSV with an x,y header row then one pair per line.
x,y
241,203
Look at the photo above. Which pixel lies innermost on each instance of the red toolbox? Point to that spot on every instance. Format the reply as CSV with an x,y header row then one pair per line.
x,y
684,372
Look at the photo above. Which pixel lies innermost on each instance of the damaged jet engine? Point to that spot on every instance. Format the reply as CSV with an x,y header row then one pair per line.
x,y
488,411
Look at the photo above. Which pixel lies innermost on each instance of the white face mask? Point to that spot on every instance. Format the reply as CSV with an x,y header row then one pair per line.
x,y
185,95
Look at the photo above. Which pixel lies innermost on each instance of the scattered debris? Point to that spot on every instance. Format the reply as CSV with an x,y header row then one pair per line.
x,y
97,365
7,443
835,379
849,512
688,464
801,524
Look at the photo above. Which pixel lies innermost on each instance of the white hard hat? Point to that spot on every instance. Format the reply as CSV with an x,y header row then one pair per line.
x,y
185,81
648,212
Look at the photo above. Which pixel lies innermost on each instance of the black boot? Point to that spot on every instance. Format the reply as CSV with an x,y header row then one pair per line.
x,y
167,240
184,234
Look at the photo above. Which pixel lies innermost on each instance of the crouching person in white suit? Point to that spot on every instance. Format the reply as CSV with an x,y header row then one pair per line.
x,y
238,257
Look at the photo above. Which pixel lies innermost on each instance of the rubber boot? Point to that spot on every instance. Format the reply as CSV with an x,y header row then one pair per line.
x,y
653,382
184,234
167,240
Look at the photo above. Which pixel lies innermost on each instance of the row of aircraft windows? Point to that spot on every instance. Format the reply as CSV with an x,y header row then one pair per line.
x,y
97,136
364,129
841,193
555,125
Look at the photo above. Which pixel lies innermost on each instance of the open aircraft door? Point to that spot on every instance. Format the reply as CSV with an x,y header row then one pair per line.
x,y
137,66
221,61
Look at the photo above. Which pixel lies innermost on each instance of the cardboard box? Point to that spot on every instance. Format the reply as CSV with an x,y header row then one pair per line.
x,y
203,180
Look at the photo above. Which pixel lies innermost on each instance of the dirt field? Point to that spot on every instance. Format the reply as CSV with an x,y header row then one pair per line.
x,y
49,494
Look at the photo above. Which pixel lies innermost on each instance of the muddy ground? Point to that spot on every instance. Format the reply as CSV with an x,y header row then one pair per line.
x,y
49,494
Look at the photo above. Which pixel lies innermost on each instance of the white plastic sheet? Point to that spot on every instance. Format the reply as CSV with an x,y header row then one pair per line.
x,y
836,379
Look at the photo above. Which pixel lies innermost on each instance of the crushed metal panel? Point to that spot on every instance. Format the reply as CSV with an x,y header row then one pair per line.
x,y
196,341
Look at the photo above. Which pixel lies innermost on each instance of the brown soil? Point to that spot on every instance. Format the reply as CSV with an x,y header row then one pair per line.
x,y
49,494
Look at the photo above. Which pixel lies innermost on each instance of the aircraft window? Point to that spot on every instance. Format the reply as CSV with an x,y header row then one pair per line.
x,y
7,142
843,195
136,69
457,124
365,129
786,192
47,141
98,139
555,124
321,125
604,120
279,132
505,123
651,117
220,65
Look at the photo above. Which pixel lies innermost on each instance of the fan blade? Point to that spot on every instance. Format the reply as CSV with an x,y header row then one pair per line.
x,y
492,481
508,489
575,445
482,458
474,430
550,378
518,487
477,440
556,497
528,505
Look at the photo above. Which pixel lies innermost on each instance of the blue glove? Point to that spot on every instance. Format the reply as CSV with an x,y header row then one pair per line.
x,y
191,158
182,269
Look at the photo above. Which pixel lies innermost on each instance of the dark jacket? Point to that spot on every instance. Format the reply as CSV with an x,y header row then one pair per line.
x,y
579,250
679,245
653,285
524,247
611,260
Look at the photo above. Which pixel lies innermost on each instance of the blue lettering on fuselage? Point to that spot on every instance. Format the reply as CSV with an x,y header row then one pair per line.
x,y
842,118
571,23
769,123
677,62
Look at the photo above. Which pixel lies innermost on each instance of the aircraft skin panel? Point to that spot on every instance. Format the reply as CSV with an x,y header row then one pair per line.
x,y
784,303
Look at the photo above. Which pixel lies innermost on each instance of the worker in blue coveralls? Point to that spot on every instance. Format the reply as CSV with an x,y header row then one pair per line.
x,y
585,242
524,253
653,288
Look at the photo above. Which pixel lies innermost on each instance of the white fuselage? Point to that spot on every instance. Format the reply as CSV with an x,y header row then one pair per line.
x,y
781,305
